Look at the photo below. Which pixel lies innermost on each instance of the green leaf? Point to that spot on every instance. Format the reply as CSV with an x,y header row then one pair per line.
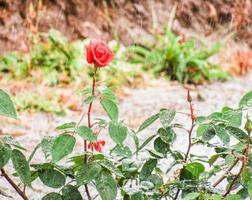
x,y
246,176
202,129
233,117
161,146
213,158
5,154
167,135
191,196
147,185
66,126
52,178
129,166
86,91
166,117
147,169
201,119
87,173
21,166
117,132
10,141
246,100
86,133
106,186
46,145
155,154
108,94
62,146
90,99
6,105
250,188
137,196
222,134
123,151
156,180
229,160
148,122
110,108
237,133
233,197
209,133
52,196
135,138
215,116
146,142
69,192
192,171
243,193
111,167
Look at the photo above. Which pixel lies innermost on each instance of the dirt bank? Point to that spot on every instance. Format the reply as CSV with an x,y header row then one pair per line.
x,y
129,20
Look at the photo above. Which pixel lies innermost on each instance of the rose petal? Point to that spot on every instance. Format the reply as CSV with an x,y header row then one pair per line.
x,y
101,53
89,54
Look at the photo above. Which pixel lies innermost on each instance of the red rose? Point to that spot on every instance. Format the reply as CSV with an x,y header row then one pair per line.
x,y
99,53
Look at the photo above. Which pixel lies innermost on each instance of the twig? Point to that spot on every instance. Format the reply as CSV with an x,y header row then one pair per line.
x,y
13,184
190,131
234,180
226,173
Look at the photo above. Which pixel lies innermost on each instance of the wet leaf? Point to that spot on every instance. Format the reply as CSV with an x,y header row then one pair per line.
x,y
52,196
86,133
147,169
117,132
6,105
70,192
88,172
62,146
5,154
21,166
166,117
148,122
106,186
52,178
110,108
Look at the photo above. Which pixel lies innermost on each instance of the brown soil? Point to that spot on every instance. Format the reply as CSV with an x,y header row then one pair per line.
x,y
129,20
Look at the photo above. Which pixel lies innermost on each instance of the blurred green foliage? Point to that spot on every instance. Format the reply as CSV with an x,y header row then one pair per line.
x,y
179,60
61,61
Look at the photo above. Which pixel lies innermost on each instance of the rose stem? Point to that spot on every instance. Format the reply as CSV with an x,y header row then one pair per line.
x,y
190,131
89,125
11,182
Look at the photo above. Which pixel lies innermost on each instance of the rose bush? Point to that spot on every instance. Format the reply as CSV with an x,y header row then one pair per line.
x,y
137,172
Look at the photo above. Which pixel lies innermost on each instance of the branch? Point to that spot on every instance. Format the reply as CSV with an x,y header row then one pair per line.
x,y
234,180
190,131
226,173
11,182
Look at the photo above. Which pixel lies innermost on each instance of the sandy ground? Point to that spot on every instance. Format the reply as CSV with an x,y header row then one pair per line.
x,y
136,106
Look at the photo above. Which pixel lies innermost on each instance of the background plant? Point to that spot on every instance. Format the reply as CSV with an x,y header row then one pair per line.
x,y
180,60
